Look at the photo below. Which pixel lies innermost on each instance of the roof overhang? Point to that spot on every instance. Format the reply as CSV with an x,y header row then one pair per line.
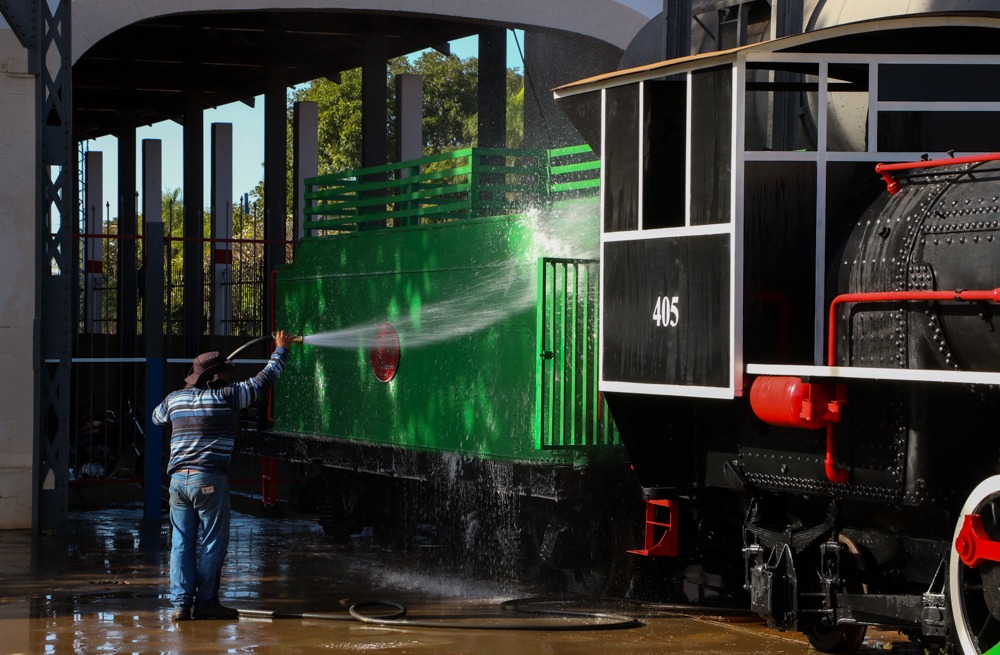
x,y
898,34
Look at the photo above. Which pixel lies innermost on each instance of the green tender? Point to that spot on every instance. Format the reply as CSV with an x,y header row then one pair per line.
x,y
497,356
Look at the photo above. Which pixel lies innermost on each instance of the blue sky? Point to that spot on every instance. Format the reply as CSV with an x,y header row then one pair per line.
x,y
248,136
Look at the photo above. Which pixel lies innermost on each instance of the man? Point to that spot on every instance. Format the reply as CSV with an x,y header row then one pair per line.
x,y
203,418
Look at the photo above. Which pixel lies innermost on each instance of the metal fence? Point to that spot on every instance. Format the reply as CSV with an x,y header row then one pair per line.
x,y
108,407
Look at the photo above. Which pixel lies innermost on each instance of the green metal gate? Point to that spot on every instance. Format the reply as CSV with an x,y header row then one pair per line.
x,y
570,411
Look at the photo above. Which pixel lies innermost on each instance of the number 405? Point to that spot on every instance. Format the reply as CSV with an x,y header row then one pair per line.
x,y
665,312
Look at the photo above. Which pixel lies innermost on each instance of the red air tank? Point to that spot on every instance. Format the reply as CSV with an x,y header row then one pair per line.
x,y
793,403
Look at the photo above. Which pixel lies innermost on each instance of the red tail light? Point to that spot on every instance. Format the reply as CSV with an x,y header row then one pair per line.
x,y
384,353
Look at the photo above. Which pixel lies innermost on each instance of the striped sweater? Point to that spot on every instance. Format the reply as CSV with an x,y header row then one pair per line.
x,y
203,421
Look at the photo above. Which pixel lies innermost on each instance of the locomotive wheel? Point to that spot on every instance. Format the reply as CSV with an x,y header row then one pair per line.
x,y
844,638
971,591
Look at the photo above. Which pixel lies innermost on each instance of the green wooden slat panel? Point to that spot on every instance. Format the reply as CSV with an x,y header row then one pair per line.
x,y
496,181
575,186
574,168
436,211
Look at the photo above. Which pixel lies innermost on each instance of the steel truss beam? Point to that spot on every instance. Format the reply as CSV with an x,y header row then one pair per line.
x,y
20,15
55,266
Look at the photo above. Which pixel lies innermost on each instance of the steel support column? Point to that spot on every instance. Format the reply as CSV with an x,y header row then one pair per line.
x,y
676,28
786,20
55,207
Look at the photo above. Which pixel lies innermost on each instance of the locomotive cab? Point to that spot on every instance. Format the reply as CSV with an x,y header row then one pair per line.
x,y
806,341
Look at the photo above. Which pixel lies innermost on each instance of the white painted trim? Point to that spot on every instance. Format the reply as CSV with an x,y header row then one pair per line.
x,y
736,220
899,105
866,373
819,260
849,156
756,56
640,132
781,155
873,108
688,147
667,390
604,236
668,232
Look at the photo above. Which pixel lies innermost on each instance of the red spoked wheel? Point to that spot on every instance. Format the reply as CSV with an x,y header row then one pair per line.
x,y
974,591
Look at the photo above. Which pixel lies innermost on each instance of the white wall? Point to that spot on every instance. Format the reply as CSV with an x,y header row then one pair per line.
x,y
17,292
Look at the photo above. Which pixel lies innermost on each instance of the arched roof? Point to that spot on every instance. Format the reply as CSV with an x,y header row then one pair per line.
x,y
146,57
611,21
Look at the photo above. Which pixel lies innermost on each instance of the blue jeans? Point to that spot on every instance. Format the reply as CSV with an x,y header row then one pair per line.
x,y
198,499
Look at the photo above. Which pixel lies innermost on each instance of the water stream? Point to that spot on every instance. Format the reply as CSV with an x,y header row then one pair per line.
x,y
489,294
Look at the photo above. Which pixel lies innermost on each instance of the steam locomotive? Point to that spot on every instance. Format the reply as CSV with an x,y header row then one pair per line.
x,y
799,323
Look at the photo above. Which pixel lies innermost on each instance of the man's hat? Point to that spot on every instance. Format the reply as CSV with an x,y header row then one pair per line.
x,y
205,366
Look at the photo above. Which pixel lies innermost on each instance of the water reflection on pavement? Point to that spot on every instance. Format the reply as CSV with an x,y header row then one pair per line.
x,y
101,589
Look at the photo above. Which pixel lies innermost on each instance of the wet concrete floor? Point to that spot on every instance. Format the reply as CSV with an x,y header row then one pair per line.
x,y
102,589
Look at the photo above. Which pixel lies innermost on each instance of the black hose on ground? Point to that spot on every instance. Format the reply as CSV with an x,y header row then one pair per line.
x,y
587,620
326,616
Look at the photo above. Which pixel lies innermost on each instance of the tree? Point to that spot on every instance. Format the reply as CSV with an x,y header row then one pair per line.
x,y
450,104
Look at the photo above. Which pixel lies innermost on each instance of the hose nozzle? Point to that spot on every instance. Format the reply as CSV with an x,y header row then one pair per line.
x,y
295,339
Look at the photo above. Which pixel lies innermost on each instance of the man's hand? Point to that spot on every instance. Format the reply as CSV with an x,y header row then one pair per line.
x,y
283,339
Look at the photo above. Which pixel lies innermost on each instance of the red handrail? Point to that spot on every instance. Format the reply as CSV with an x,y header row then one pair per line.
x,y
892,184
839,475
992,295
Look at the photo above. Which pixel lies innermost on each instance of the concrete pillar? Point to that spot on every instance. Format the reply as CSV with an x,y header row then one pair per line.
x,y
409,116
374,96
94,248
222,227
18,293
305,157
409,131
194,217
275,176
374,119
128,298
492,97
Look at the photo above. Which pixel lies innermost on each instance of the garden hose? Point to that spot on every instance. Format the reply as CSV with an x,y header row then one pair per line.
x,y
256,341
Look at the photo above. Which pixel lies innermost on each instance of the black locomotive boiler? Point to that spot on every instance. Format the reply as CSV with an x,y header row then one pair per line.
x,y
800,330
